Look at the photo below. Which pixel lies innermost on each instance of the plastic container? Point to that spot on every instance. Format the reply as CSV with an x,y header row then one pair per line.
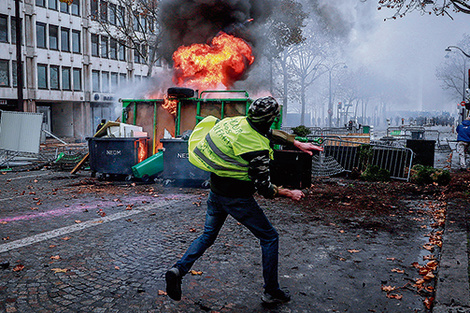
x,y
291,169
149,168
116,156
424,151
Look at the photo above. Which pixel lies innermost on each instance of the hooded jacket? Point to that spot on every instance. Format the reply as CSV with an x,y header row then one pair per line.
x,y
463,131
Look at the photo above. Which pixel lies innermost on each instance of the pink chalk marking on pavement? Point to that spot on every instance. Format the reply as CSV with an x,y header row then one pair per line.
x,y
71,209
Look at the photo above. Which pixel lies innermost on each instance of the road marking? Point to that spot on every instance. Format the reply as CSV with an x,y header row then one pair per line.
x,y
95,222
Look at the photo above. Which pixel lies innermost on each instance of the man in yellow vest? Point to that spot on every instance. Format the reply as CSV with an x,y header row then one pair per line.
x,y
237,152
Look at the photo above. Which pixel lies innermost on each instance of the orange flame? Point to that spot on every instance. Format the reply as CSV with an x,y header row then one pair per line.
x,y
170,105
204,66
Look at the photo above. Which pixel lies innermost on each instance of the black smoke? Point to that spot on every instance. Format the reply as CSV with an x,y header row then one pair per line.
x,y
185,22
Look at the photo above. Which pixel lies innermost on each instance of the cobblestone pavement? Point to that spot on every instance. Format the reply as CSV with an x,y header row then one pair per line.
x,y
76,245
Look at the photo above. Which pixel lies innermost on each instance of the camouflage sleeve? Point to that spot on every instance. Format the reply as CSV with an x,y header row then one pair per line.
x,y
258,171
281,137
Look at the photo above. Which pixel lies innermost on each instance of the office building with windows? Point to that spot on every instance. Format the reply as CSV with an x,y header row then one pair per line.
x,y
71,64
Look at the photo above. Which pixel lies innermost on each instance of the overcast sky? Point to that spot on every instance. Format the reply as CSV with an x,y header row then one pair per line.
x,y
409,49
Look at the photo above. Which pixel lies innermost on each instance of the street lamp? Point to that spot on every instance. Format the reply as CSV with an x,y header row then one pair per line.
x,y
330,103
449,49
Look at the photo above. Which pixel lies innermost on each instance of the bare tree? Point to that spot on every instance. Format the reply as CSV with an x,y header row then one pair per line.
x,y
132,24
305,63
437,7
453,71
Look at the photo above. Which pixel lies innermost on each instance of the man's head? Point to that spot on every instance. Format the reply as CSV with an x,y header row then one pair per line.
x,y
263,111
468,118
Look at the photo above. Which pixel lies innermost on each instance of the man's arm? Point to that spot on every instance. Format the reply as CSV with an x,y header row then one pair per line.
x,y
259,174
282,138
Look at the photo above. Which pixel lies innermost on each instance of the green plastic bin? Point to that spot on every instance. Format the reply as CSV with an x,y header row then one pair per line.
x,y
149,167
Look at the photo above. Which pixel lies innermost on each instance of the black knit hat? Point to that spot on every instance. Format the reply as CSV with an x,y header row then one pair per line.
x,y
263,110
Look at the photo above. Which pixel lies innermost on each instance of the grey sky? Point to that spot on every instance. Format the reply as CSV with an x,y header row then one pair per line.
x,y
408,49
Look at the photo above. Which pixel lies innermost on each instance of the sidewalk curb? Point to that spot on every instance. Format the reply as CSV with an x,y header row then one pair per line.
x,y
452,286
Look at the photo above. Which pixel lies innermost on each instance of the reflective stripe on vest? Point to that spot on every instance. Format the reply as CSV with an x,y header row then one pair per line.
x,y
220,151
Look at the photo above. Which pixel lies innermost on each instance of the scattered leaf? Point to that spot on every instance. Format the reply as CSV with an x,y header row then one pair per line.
x,y
394,296
116,267
3,222
18,268
428,302
193,272
353,251
391,259
66,238
52,246
388,288
59,270
78,221
55,257
397,270
162,293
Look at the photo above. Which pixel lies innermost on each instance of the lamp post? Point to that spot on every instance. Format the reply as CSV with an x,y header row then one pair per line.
x,y
330,103
449,49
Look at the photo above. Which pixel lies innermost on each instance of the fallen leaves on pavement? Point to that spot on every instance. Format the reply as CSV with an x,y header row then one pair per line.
x,y
18,268
59,270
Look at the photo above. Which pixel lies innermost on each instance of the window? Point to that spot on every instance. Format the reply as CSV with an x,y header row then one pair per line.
x,y
76,41
66,78
122,79
95,77
104,47
120,16
3,28
14,70
144,53
77,79
104,11
14,73
94,45
112,14
42,76
54,75
41,3
64,39
143,22
113,49
41,35
122,52
53,4
76,7
105,81
13,30
4,73
64,7
53,37
94,9
135,19
114,81
136,55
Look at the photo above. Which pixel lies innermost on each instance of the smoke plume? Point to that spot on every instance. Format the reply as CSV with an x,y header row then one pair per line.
x,y
185,22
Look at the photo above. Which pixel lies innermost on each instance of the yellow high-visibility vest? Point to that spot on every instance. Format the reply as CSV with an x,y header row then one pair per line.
x,y
221,148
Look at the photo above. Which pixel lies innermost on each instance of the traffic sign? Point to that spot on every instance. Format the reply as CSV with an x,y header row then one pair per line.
x,y
462,103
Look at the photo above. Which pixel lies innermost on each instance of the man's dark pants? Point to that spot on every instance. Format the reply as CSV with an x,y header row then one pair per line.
x,y
247,212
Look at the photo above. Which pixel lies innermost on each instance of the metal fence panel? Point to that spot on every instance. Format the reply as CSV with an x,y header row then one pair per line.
x,y
346,155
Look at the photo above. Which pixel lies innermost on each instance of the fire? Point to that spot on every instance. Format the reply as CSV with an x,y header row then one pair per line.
x,y
170,105
204,66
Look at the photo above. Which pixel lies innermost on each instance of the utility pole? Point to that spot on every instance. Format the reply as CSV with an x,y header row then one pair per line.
x,y
19,63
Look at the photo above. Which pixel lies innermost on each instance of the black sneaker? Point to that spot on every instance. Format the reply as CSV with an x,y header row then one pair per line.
x,y
276,296
173,283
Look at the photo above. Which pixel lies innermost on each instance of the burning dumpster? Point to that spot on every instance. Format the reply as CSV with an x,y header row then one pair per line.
x,y
116,153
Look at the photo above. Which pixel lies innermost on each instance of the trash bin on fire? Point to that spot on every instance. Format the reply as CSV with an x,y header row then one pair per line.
x,y
116,148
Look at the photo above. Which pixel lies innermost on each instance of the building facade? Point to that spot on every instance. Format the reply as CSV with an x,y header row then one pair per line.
x,y
71,64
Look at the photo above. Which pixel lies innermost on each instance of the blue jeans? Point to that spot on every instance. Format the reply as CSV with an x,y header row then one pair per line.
x,y
247,212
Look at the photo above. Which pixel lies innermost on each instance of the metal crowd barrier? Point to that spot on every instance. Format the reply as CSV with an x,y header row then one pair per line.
x,y
341,155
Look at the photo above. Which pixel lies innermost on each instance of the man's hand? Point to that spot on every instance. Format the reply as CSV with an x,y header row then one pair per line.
x,y
294,194
307,147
